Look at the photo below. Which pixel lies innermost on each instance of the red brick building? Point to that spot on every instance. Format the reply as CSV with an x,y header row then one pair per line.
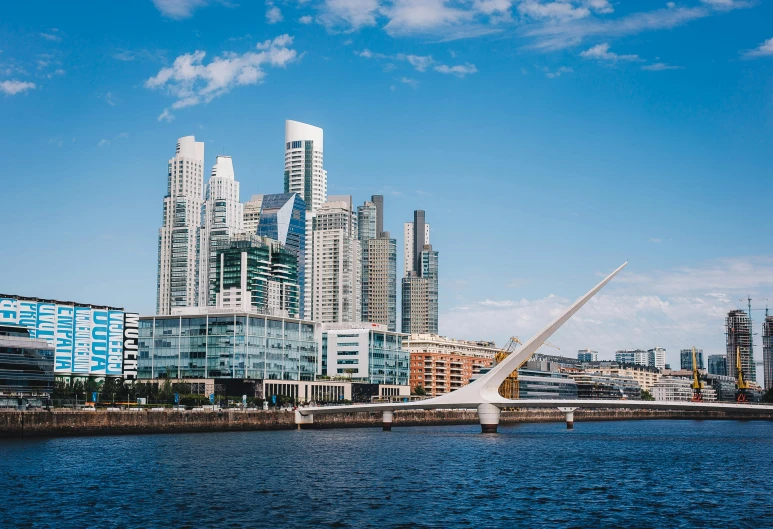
x,y
440,373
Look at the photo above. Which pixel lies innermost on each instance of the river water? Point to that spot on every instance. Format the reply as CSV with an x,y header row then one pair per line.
x,y
628,474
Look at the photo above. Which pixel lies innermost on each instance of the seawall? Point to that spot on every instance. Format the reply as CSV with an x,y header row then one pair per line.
x,y
14,424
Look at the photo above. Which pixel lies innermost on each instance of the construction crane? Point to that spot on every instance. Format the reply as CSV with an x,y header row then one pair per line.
x,y
510,387
741,384
697,394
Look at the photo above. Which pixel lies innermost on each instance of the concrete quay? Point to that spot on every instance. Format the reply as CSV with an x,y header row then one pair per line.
x,y
59,423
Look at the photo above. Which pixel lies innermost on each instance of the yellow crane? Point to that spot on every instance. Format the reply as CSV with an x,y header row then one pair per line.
x,y
510,387
741,384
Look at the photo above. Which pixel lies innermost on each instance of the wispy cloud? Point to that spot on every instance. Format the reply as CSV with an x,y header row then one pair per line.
x,y
191,82
656,240
347,15
103,142
460,70
763,50
54,35
306,19
273,14
178,9
413,83
421,63
552,74
600,52
660,67
14,87
165,116
111,99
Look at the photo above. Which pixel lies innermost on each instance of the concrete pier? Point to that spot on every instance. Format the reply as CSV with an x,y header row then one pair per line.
x,y
302,420
386,420
569,412
488,415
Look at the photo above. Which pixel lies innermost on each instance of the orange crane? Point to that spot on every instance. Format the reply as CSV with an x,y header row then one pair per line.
x,y
697,394
510,387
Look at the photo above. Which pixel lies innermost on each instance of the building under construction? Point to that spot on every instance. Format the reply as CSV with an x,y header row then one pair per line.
x,y
767,351
738,327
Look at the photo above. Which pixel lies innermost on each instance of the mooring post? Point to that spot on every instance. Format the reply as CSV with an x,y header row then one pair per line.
x,y
569,417
300,419
386,421
488,415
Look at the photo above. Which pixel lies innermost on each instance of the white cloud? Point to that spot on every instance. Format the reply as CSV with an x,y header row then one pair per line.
x,y
178,9
274,15
111,99
600,6
192,82
165,116
552,10
459,70
675,309
413,83
352,14
763,50
14,87
420,62
556,73
103,142
53,35
659,67
492,7
306,19
656,240
419,16
601,52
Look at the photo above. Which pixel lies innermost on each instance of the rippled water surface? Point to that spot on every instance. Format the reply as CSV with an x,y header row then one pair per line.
x,y
602,474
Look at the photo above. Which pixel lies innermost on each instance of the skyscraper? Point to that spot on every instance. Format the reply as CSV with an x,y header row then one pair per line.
x,y
738,328
685,359
717,365
657,358
283,218
304,174
337,258
420,284
177,284
767,351
222,216
252,210
379,265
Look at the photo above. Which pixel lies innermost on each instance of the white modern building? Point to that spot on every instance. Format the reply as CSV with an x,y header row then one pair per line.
x,y
305,174
658,356
221,217
337,254
251,217
177,284
433,343
587,355
364,352
672,388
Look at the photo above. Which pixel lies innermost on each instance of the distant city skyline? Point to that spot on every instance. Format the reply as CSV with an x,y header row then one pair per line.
x,y
546,148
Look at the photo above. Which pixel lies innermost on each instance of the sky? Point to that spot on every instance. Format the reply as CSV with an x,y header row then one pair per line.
x,y
547,141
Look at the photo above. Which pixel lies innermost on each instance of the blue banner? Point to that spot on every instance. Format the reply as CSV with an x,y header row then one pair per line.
x,y
65,334
81,359
99,342
9,311
115,343
28,316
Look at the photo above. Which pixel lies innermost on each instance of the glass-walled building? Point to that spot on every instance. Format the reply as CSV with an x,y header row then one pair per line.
x,y
26,364
227,345
364,352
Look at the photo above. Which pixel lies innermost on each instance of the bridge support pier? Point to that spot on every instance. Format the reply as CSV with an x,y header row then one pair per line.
x,y
569,417
386,421
301,420
488,415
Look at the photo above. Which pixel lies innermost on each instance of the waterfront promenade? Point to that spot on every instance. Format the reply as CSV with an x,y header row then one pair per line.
x,y
57,423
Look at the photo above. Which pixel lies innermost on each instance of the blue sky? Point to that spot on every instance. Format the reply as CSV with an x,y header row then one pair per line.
x,y
547,141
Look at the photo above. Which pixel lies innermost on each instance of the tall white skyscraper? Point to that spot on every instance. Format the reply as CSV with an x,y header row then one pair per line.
x,y
221,218
177,283
337,258
304,174
410,246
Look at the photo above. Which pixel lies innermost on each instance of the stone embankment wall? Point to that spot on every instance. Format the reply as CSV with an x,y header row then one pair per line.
x,y
67,423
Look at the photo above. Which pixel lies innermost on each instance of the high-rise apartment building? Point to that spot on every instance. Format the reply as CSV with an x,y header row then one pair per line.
x,y
738,328
379,265
635,356
177,284
256,274
304,174
412,243
222,216
717,365
336,258
252,210
420,284
685,359
587,355
283,218
767,352
657,358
